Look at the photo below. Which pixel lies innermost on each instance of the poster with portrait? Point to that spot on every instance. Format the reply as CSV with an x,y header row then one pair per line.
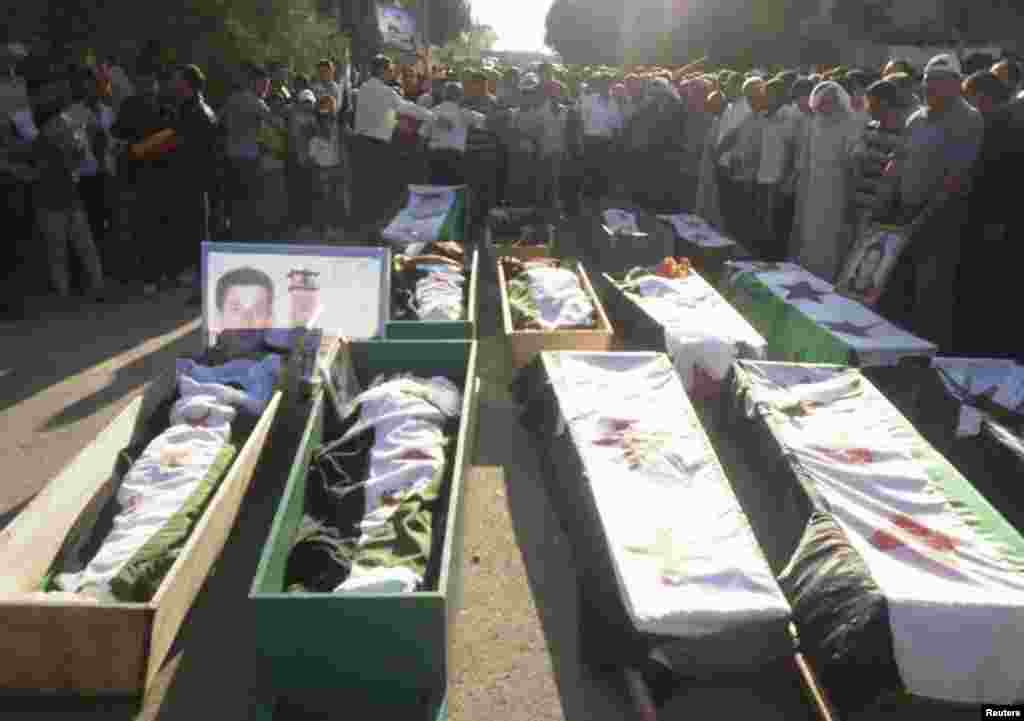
x,y
258,294
871,262
397,27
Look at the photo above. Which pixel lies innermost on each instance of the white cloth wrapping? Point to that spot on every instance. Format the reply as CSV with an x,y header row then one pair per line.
x,y
408,450
439,295
956,605
620,221
560,299
696,230
156,487
408,453
686,560
701,328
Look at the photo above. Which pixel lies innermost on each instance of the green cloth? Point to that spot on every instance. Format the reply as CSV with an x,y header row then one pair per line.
x,y
141,576
791,336
521,303
321,559
455,224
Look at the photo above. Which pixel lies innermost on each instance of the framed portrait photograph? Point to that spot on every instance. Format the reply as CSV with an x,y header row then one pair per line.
x,y
257,294
870,263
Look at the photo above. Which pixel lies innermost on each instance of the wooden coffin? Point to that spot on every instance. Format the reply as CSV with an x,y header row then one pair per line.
x,y
383,651
525,344
443,330
105,648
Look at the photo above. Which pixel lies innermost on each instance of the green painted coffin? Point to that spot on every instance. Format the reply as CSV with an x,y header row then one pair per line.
x,y
442,330
388,651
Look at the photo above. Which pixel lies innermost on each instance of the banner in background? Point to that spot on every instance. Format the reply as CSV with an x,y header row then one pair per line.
x,y
397,27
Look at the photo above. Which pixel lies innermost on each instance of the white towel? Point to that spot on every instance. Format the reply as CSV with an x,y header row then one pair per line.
x,y
620,221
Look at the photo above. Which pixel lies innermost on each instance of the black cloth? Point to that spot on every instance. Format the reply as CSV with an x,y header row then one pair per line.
x,y
597,166
198,132
840,614
447,167
139,117
608,636
987,280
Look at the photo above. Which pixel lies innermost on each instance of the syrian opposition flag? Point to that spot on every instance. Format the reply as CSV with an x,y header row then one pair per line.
x,y
432,213
950,568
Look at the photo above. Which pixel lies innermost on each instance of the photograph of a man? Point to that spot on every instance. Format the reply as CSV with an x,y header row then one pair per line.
x,y
865,281
304,294
245,305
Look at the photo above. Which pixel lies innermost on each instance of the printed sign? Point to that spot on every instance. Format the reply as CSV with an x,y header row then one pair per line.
x,y
397,27
255,294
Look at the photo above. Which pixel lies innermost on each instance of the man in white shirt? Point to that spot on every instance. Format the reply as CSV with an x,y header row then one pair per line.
x,y
325,84
376,163
777,153
446,137
602,123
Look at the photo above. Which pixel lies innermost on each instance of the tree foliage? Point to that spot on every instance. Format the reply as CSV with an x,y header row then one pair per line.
x,y
448,20
218,35
862,17
469,45
585,31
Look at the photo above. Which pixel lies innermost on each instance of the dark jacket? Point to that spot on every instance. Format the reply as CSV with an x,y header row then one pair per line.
x,y
198,132
138,118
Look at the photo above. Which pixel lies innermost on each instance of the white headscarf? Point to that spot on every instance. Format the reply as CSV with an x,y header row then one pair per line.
x,y
843,104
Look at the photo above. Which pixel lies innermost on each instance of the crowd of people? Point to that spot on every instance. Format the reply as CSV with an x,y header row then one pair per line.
x,y
128,173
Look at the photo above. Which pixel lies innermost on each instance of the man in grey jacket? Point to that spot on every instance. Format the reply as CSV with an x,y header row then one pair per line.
x,y
943,139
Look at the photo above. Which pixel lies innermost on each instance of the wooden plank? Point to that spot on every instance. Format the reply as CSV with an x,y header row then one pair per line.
x,y
31,542
525,344
74,647
179,588
815,693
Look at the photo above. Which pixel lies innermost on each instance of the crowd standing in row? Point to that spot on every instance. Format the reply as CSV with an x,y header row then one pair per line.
x,y
133,174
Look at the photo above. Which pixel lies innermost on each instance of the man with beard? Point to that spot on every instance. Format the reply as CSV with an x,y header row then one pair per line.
x,y
943,140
